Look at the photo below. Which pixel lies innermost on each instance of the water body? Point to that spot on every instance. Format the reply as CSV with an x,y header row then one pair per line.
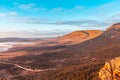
x,y
4,46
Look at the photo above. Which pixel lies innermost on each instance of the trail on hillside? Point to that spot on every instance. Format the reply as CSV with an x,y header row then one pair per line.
x,y
26,69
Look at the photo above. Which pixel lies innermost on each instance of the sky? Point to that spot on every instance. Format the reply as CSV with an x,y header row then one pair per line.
x,y
51,18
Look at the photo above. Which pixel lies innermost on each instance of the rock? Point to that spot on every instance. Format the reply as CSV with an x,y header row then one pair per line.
x,y
111,70
114,27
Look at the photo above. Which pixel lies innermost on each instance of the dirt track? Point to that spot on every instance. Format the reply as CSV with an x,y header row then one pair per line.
x,y
26,69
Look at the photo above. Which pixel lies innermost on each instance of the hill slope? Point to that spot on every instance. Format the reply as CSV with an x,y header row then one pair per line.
x,y
77,62
80,36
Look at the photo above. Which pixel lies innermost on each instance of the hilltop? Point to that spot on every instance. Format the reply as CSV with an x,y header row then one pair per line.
x,y
80,36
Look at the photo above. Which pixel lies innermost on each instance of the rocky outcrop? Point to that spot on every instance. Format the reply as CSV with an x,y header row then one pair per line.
x,y
111,70
114,31
114,27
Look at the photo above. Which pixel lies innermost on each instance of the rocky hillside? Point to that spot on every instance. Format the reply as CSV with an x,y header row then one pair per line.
x,y
114,27
111,70
80,61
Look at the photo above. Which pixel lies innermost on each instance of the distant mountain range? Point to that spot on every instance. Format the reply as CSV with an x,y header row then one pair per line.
x,y
16,39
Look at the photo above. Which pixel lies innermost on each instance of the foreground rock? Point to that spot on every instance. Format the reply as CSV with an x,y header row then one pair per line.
x,y
111,70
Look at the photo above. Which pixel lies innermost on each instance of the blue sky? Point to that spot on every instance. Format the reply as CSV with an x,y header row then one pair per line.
x,y
48,18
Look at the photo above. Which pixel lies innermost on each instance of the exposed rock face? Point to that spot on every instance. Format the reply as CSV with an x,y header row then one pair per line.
x,y
114,27
114,31
111,70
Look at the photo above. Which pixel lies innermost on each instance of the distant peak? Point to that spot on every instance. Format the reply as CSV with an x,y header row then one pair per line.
x,y
115,26
117,23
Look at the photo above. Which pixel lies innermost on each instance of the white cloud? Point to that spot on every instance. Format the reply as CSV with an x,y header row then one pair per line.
x,y
108,5
12,13
113,19
2,14
29,7
8,14
26,6
65,10
57,9
79,7
107,9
